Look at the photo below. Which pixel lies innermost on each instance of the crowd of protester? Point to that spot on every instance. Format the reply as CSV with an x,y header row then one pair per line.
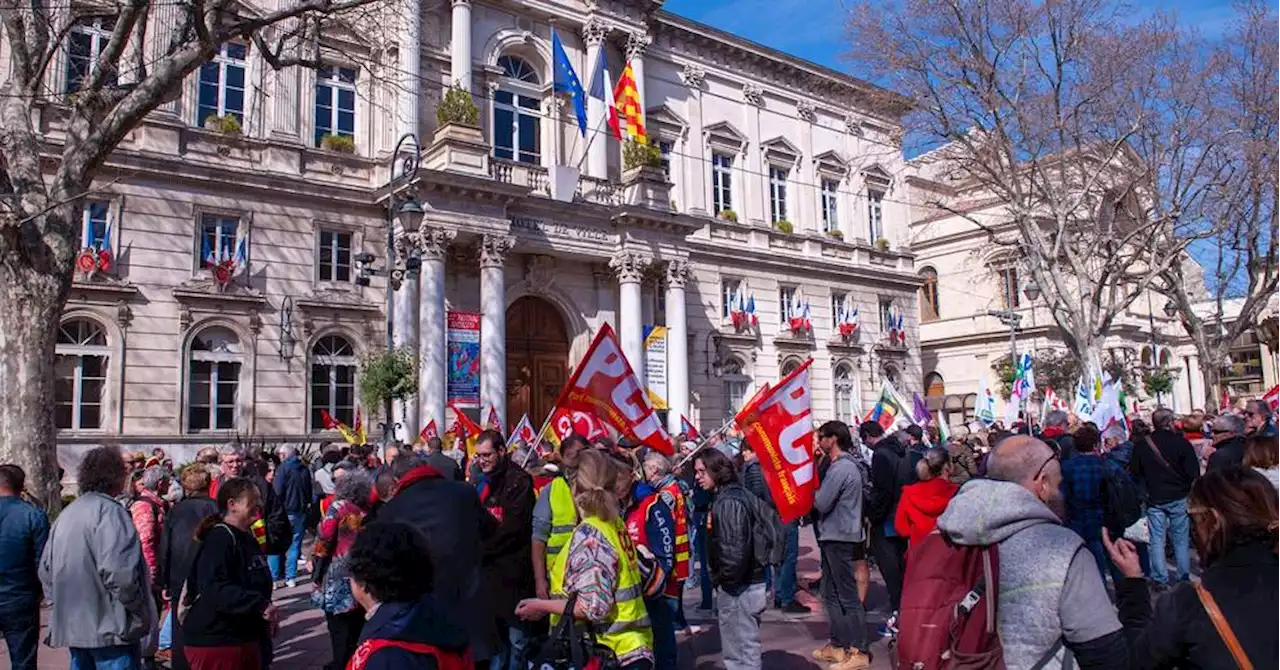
x,y
433,558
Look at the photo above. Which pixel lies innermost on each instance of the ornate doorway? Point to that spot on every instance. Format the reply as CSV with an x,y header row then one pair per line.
x,y
537,359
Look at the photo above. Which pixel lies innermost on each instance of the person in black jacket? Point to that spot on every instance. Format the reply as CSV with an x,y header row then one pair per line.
x,y
1228,442
228,593
233,463
292,484
178,547
506,493
741,596
449,515
1234,515
1165,466
891,469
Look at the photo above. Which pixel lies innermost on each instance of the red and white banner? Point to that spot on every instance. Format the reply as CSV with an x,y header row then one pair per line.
x,y
1272,398
566,422
605,385
778,424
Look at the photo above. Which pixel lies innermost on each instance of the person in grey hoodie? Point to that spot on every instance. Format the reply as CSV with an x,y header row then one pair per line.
x,y
1053,606
93,572
838,504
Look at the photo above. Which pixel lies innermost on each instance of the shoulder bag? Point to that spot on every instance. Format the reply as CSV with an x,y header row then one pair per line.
x,y
1224,628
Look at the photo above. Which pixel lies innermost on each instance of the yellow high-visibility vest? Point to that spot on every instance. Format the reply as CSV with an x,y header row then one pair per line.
x,y
564,517
626,627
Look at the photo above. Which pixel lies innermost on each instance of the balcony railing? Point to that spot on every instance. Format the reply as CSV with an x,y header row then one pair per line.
x,y
535,178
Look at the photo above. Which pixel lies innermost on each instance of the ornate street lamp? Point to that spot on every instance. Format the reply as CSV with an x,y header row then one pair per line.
x,y
1032,290
1170,309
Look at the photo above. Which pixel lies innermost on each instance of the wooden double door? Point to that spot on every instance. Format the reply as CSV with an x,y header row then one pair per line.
x,y
537,359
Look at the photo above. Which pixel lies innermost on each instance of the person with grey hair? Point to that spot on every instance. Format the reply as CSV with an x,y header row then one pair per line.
x,y
1052,601
1165,465
331,590
1228,442
292,483
232,463
1056,436
148,508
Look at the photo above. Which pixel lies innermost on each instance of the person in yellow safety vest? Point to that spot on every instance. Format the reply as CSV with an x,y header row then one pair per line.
x,y
599,564
554,515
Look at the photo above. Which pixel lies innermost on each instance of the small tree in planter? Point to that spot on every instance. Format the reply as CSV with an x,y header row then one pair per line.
x,y
343,144
729,215
882,243
784,226
836,234
388,375
1158,381
227,124
457,108
637,155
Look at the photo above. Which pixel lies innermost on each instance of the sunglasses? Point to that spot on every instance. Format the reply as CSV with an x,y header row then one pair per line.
x,y
1044,465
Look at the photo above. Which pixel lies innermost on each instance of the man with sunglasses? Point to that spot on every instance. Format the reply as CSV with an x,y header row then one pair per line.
x,y
1228,442
1052,600
1257,419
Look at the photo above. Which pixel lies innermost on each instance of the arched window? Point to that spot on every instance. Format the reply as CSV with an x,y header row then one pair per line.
x,y
736,384
214,380
517,112
890,373
80,375
934,386
844,388
789,366
333,381
929,295
1164,358
1146,356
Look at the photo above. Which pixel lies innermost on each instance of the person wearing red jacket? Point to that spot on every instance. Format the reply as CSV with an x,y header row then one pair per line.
x,y
923,502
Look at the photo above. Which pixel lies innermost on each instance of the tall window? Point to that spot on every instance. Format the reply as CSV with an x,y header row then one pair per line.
x,y
334,256
736,385
721,182
80,375
218,238
728,295
886,313
93,223
875,214
1009,287
516,117
785,295
335,102
333,381
844,393
665,149
84,44
777,193
830,212
214,380
838,300
222,84
929,295
789,366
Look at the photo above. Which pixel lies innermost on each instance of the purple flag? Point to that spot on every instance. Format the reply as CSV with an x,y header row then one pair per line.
x,y
918,410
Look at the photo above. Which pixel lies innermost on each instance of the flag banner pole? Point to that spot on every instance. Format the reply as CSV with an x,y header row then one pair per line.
x,y
538,441
703,442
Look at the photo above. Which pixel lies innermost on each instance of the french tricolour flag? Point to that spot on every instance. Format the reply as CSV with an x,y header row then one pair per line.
x,y
602,90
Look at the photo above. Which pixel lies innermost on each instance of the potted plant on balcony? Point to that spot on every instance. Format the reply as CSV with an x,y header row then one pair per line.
x,y
643,182
227,124
729,215
784,226
836,234
457,109
882,243
343,144
458,145
388,375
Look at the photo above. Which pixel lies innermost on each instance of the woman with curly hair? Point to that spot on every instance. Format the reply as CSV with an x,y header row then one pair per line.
x,y
407,628
331,590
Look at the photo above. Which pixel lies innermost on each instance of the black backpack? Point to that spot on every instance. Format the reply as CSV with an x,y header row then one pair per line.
x,y
1122,503
766,532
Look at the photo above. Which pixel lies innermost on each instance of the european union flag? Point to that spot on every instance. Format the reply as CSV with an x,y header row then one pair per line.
x,y
566,81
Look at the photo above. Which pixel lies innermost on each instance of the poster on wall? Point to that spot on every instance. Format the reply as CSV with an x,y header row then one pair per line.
x,y
655,365
463,341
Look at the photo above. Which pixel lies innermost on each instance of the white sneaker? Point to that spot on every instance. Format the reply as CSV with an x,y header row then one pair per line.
x,y
290,583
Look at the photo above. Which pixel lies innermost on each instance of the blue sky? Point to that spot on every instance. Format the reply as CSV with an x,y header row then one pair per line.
x,y
814,30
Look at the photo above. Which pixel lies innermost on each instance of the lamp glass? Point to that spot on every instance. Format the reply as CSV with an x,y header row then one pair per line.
x,y
410,213
1170,309
1032,290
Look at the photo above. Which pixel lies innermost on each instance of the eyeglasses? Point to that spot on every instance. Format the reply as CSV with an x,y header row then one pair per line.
x,y
1045,464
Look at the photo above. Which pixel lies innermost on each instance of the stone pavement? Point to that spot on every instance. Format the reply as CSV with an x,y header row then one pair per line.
x,y
787,640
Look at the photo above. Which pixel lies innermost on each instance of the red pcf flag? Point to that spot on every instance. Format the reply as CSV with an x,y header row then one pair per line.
x,y
778,425
566,422
428,432
605,385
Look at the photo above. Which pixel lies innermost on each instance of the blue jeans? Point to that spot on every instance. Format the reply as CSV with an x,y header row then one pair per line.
x,y
22,636
662,622
784,591
700,549
1170,517
166,630
298,523
123,657
511,656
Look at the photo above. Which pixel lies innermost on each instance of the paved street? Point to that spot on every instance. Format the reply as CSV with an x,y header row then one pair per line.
x,y
787,640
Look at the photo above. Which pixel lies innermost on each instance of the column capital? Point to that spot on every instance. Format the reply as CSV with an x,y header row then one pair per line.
x,y
629,266
433,243
493,250
636,44
753,94
693,76
462,3
678,271
806,110
594,32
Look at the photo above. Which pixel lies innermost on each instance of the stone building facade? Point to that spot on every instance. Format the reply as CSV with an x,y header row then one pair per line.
x,y
155,352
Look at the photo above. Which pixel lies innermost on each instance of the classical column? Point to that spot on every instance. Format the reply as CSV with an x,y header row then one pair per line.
x,y
411,69
629,267
493,325
636,44
697,163
677,345
593,35
404,334
432,357
753,176
460,45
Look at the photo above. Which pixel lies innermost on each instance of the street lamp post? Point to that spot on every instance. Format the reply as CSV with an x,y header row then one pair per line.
x,y
407,156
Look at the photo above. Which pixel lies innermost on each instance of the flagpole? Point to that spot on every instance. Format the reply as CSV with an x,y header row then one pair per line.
x,y
703,442
537,441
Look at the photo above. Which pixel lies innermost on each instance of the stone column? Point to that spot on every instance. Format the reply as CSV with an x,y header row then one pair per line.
x,y
677,345
460,45
752,174
432,358
593,35
411,69
404,335
807,201
636,44
493,325
697,163
629,267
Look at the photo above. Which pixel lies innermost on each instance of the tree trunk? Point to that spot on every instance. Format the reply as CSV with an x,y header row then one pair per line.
x,y
31,303
1212,373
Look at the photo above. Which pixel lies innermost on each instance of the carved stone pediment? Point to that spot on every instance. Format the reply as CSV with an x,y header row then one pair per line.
x,y
205,289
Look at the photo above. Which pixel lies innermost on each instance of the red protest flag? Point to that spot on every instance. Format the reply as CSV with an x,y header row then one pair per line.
x,y
565,422
604,385
778,424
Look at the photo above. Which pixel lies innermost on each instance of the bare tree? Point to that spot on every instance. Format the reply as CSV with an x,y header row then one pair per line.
x,y
1079,141
152,47
1240,210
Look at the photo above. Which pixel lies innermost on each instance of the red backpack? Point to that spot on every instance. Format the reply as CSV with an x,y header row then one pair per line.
x,y
948,616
